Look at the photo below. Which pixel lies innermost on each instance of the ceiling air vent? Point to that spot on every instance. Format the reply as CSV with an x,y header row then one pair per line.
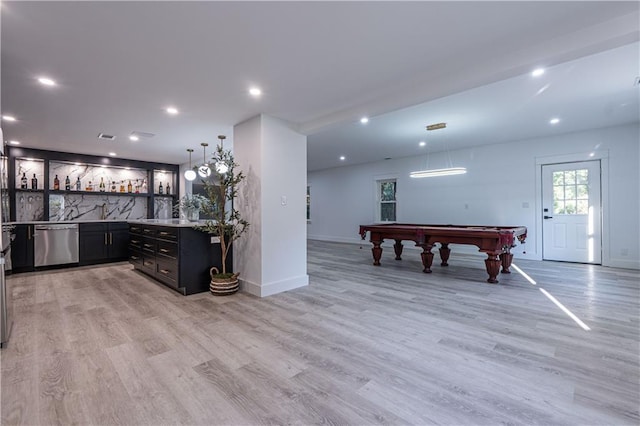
x,y
106,137
145,135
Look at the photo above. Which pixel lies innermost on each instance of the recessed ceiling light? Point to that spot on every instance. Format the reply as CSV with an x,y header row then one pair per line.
x,y
46,81
14,142
364,120
342,158
254,91
113,154
172,110
592,154
134,138
8,118
537,72
422,143
554,121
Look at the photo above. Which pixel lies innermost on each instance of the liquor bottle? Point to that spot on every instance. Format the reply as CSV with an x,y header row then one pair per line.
x,y
121,186
160,189
137,187
102,187
89,187
23,181
34,182
78,184
144,186
113,186
168,189
67,184
56,183
129,187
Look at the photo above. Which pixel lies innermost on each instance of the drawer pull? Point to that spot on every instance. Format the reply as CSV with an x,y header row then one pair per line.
x,y
147,230
165,271
135,241
148,245
135,257
164,250
164,233
134,228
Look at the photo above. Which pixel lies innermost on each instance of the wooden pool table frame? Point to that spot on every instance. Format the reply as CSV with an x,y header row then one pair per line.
x,y
496,241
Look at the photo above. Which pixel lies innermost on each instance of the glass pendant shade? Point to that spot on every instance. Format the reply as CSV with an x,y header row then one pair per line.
x,y
221,166
204,171
189,174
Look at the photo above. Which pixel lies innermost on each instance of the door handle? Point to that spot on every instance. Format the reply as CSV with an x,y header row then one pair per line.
x,y
110,238
547,217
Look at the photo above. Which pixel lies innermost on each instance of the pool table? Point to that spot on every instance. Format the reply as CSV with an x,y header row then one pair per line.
x,y
496,241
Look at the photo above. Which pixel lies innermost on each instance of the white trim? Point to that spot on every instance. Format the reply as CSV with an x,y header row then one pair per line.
x,y
603,156
269,289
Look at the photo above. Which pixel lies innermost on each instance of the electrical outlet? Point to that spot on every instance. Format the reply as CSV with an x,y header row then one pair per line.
x,y
215,240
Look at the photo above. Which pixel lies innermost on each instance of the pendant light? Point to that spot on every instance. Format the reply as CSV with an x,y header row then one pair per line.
x,y
189,174
448,171
204,171
221,166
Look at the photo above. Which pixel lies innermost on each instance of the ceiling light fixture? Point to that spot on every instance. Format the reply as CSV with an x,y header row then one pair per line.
x,y
14,143
189,174
255,92
46,81
364,120
134,138
113,154
537,72
221,166
437,172
342,158
554,121
204,171
172,110
8,118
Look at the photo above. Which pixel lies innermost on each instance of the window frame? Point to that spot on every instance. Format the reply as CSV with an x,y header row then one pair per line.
x,y
379,180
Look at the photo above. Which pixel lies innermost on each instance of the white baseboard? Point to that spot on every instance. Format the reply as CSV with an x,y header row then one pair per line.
x,y
624,263
268,289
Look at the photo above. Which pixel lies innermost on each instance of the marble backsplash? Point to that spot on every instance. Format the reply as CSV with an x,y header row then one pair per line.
x,y
29,206
163,208
96,207
30,168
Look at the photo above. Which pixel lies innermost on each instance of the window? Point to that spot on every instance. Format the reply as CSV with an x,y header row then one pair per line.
x,y
308,203
386,200
571,192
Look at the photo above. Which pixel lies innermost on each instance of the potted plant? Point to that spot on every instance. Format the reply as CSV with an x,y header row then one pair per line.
x,y
226,222
191,204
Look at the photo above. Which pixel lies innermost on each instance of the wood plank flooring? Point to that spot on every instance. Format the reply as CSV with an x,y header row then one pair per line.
x,y
360,345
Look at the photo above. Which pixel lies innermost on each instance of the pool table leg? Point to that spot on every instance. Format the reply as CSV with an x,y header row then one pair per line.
x,y
505,259
427,258
397,247
377,252
493,267
445,251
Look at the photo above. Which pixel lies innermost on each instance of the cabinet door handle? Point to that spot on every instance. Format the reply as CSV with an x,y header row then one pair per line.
x,y
29,229
111,238
105,238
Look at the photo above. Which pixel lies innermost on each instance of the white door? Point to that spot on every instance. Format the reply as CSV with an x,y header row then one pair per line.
x,y
571,221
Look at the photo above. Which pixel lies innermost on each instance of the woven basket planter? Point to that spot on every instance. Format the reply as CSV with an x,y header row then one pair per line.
x,y
223,286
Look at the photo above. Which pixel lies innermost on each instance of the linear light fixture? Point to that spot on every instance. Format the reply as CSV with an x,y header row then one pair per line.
x,y
439,172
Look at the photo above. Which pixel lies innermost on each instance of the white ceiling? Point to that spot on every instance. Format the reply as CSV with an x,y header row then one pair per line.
x,y
321,66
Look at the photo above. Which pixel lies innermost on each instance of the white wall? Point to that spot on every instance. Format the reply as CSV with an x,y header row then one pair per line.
x,y
273,256
500,181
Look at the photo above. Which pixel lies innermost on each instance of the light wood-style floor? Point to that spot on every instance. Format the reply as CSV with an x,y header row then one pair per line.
x,y
361,345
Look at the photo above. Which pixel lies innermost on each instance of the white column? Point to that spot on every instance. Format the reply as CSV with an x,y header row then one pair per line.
x,y
272,256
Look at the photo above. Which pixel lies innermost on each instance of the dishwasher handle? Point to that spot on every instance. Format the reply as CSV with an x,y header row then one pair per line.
x,y
55,227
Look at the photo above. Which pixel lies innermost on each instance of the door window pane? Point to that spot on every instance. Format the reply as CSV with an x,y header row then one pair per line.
x,y
558,178
583,207
583,192
571,192
569,177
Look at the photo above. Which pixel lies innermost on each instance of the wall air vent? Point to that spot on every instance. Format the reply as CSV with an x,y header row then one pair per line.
x,y
436,126
106,137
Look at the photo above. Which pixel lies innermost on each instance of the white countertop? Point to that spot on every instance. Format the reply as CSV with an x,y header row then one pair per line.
x,y
160,222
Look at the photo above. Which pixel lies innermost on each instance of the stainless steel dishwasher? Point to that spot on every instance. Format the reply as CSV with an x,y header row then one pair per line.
x,y
55,244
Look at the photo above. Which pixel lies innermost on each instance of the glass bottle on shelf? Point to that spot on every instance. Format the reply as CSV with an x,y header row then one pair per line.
x,y
113,186
56,183
89,187
67,184
129,187
168,189
121,186
144,186
160,189
78,184
23,181
34,182
102,186
137,187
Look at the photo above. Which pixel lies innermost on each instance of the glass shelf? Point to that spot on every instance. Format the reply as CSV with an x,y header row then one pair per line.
x,y
120,194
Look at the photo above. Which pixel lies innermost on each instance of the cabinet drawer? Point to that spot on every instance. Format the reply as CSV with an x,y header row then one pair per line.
x,y
168,249
167,271
135,242
92,227
135,229
149,246
135,258
169,234
149,264
149,232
